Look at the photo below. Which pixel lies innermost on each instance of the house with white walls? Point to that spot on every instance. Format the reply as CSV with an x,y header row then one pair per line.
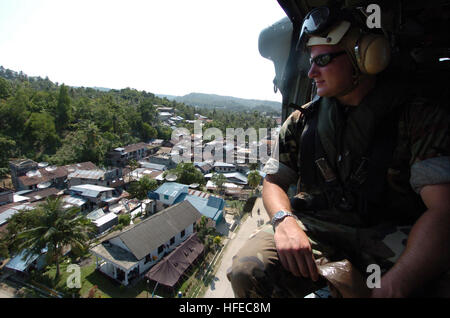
x,y
127,256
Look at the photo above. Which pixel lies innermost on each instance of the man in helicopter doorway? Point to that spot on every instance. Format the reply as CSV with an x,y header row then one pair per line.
x,y
371,165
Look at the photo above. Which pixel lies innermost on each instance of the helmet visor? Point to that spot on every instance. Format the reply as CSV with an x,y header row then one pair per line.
x,y
316,21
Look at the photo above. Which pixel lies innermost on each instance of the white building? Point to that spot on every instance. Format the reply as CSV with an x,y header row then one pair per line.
x,y
232,177
97,196
222,167
130,254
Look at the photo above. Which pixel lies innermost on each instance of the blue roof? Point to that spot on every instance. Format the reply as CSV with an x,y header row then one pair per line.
x,y
215,202
19,264
211,207
171,189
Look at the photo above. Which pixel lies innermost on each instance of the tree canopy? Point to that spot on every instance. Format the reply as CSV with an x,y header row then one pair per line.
x,y
219,180
139,189
254,179
187,174
52,227
60,124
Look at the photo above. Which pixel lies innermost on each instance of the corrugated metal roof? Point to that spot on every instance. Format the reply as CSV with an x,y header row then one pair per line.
x,y
223,164
95,215
199,193
4,216
172,189
13,209
19,263
49,173
159,228
81,166
212,211
87,174
153,166
75,200
90,190
215,202
105,219
169,270
37,195
134,147
115,254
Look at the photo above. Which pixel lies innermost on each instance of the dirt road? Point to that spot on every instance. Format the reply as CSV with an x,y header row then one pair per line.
x,y
7,291
220,287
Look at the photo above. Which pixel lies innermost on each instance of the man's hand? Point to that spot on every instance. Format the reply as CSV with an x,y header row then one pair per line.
x,y
292,243
294,249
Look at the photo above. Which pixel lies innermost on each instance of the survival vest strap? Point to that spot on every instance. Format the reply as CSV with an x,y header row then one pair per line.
x,y
309,146
307,140
365,184
313,156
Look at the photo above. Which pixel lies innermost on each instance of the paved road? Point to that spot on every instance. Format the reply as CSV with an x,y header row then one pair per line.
x,y
6,294
220,287
6,291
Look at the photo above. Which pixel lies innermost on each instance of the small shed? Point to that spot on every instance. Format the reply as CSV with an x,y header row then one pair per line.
x,y
103,221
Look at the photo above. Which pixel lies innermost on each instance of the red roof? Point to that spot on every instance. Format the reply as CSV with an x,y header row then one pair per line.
x,y
169,270
41,194
48,174
134,147
199,193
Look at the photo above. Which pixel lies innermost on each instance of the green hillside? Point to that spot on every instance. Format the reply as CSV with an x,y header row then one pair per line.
x,y
225,102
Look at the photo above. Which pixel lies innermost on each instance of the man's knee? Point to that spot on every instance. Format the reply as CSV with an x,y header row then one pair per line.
x,y
251,270
247,276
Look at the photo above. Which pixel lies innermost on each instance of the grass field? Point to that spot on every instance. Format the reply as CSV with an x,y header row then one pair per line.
x,y
106,287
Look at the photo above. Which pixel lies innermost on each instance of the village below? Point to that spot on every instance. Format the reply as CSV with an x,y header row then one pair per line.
x,y
128,221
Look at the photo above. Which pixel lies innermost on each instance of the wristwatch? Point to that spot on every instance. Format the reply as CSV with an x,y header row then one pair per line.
x,y
280,215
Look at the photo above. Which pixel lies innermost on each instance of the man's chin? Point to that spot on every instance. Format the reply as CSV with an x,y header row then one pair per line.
x,y
323,93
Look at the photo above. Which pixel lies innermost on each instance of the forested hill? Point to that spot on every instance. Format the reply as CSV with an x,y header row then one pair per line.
x,y
225,102
46,121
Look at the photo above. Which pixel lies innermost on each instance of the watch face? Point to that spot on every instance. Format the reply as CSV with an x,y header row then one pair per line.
x,y
279,215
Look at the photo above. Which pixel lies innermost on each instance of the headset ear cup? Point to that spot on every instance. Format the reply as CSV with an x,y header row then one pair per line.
x,y
374,53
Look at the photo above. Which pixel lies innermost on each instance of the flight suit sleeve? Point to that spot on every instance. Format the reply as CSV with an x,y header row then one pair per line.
x,y
284,158
427,128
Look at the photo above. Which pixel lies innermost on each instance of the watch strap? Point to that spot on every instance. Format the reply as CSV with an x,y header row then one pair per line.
x,y
276,219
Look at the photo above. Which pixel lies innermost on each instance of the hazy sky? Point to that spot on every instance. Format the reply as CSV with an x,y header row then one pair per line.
x,y
172,47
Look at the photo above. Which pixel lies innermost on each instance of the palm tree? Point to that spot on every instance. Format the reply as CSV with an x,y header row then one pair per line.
x,y
217,241
219,180
133,166
57,227
139,189
254,179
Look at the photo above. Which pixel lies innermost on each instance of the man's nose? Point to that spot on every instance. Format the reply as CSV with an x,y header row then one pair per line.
x,y
313,71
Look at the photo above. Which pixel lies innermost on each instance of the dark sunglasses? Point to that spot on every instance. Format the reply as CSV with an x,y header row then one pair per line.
x,y
325,59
